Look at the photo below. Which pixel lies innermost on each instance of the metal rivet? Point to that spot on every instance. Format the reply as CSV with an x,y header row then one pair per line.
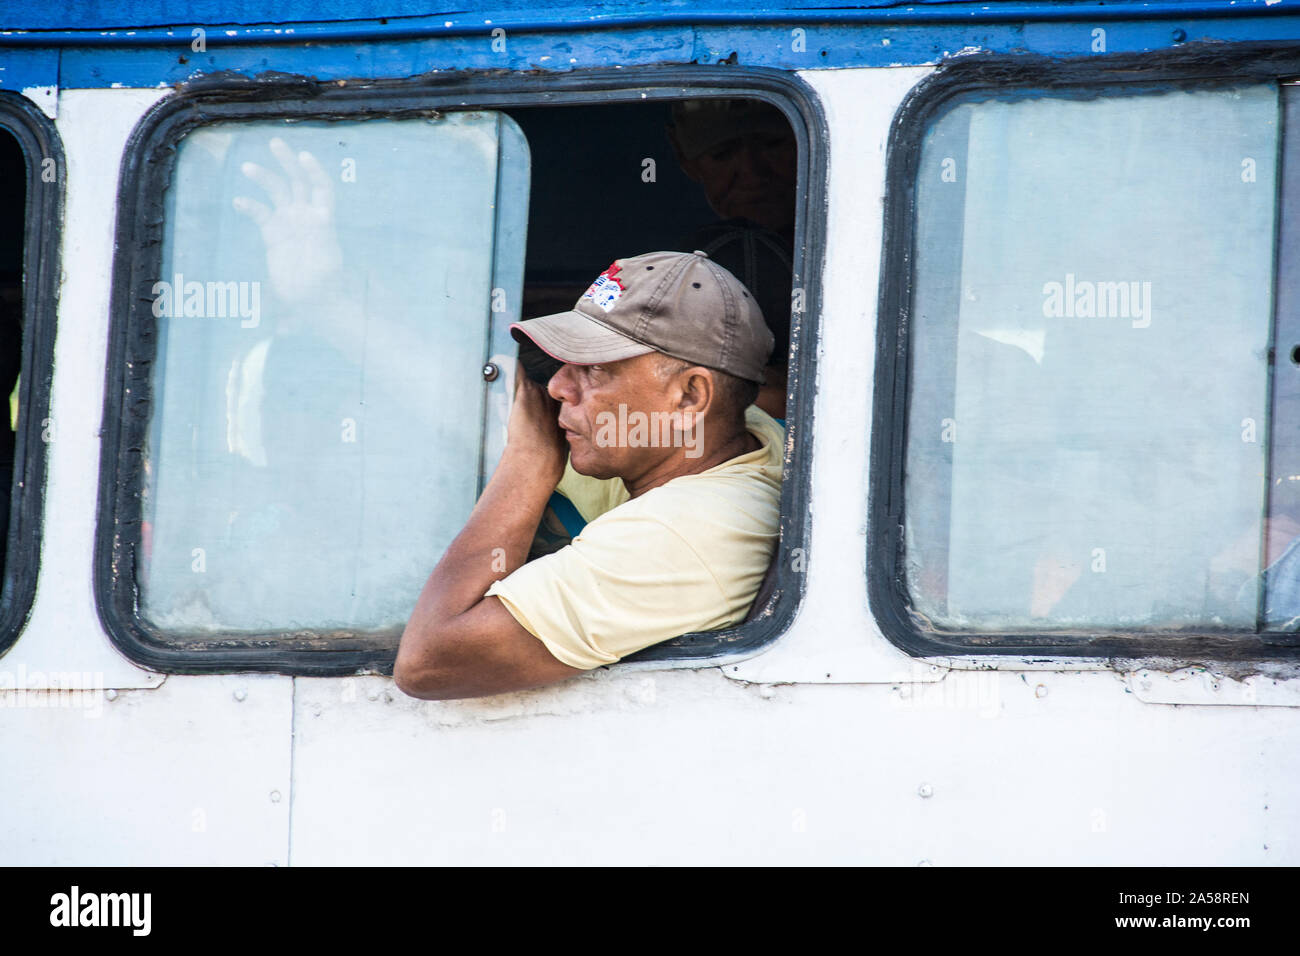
x,y
925,790
1180,35
767,692
241,694
111,694
1040,690
275,796
490,372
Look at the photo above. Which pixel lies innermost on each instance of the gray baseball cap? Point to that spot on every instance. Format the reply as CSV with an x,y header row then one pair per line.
x,y
681,304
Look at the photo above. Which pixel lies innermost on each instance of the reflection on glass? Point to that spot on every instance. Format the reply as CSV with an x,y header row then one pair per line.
x,y
323,315
1088,417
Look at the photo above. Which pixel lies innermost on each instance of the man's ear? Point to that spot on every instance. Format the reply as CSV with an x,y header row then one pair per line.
x,y
688,166
698,390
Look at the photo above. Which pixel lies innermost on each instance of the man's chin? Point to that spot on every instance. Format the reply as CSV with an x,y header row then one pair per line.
x,y
589,466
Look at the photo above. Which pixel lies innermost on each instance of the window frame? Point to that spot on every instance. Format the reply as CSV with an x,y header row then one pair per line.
x,y
1193,67
39,141
147,163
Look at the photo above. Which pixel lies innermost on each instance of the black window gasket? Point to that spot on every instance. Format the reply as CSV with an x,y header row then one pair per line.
x,y
42,233
1192,66
146,169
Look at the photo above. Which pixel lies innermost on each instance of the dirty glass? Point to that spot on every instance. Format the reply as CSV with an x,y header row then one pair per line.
x,y
1089,389
320,422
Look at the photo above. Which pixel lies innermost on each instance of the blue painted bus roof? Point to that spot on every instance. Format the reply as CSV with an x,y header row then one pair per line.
x,y
105,43
78,15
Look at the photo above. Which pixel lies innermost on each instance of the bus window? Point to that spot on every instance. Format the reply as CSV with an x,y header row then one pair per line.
x,y
1088,371
316,340
321,303
13,183
31,180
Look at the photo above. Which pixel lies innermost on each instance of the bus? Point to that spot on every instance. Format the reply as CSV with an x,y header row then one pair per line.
x,y
259,268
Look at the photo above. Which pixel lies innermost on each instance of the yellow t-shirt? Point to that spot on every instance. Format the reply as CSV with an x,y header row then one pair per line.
x,y
686,556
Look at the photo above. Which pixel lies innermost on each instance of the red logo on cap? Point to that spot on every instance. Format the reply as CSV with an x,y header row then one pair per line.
x,y
607,288
611,273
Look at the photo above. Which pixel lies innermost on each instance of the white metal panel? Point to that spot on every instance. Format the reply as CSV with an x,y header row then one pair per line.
x,y
687,767
1204,685
46,97
64,643
193,772
834,638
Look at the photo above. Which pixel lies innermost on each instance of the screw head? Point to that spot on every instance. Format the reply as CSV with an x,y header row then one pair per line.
x,y
925,791
490,372
240,694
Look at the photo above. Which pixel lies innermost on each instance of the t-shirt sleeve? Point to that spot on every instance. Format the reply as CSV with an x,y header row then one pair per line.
x,y
626,582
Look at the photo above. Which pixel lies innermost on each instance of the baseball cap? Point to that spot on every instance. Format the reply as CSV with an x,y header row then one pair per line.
x,y
761,260
681,304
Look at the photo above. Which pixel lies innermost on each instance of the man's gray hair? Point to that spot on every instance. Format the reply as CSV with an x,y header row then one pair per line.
x,y
736,394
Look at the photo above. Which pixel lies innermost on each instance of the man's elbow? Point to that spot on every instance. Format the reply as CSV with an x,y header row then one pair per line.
x,y
423,668
414,681
427,682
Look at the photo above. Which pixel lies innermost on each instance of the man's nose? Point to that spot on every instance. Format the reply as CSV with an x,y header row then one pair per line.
x,y
560,386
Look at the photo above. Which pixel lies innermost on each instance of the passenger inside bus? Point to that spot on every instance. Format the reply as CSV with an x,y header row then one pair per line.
x,y
649,427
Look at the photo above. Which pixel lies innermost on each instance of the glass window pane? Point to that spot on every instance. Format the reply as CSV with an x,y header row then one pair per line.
x,y
1088,410
319,410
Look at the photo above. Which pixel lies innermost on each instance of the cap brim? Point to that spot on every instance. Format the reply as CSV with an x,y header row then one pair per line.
x,y
577,339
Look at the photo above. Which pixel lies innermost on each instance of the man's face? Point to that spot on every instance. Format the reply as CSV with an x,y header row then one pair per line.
x,y
590,397
753,176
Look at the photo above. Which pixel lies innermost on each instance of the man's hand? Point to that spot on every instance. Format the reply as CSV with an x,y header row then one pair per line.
x,y
302,247
533,431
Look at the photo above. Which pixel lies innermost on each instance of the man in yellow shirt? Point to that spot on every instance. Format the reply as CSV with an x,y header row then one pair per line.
x,y
657,443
